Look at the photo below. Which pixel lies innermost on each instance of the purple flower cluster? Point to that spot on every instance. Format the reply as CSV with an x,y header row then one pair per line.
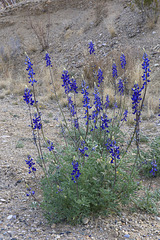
x,y
145,67
59,190
75,173
154,167
30,193
48,60
105,121
86,100
30,71
28,96
68,84
107,102
114,70
73,85
136,97
121,86
50,147
66,81
91,48
100,77
97,102
76,124
125,115
114,150
71,106
37,122
123,61
30,164
83,149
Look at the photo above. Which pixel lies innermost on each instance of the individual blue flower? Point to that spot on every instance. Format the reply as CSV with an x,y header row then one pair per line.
x,y
125,115
145,67
107,102
66,81
37,122
30,164
91,48
50,145
136,97
48,60
154,167
100,77
28,96
114,70
30,71
123,61
121,87
75,173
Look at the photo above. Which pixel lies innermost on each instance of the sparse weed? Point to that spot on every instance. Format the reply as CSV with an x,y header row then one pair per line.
x,y
19,144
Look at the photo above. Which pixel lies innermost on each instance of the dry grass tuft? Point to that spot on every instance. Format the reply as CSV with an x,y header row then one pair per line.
x,y
112,31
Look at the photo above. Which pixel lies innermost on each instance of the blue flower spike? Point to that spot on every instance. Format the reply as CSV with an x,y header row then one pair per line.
x,y
154,167
30,164
136,97
100,77
114,70
27,97
75,173
123,61
91,48
48,60
29,68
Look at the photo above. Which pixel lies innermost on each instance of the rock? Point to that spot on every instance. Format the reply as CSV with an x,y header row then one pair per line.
x,y
127,236
158,218
57,237
9,217
85,220
2,200
53,225
156,65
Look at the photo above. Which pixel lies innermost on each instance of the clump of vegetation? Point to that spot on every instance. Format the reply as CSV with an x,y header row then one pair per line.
x,y
94,171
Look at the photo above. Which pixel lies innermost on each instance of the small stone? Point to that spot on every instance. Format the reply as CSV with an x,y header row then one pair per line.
x,y
158,218
156,65
127,236
57,237
53,225
9,217
85,220
2,200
